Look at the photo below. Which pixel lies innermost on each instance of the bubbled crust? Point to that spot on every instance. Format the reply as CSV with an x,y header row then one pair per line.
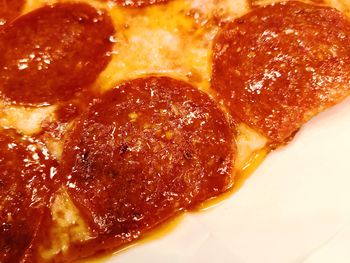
x,y
145,151
53,52
279,65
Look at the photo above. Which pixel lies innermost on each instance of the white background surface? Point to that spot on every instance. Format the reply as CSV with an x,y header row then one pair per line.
x,y
294,209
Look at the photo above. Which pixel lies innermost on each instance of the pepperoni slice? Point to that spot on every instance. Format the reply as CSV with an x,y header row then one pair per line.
x,y
10,9
279,65
138,3
54,52
145,151
24,188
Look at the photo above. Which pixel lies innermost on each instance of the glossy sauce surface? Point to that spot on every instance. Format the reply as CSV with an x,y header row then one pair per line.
x,y
170,225
143,152
279,65
9,10
53,53
26,170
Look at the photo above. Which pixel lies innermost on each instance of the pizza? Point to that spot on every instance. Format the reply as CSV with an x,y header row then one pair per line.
x,y
116,116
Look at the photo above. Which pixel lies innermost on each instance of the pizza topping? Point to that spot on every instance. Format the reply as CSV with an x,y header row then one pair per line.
x,y
153,146
24,188
10,9
279,65
144,151
53,53
138,3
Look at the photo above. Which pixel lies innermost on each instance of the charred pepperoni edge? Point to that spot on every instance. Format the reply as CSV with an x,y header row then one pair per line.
x,y
281,11
107,239
137,3
9,10
36,215
88,46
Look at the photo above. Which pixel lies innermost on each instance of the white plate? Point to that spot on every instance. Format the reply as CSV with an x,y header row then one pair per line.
x,y
294,208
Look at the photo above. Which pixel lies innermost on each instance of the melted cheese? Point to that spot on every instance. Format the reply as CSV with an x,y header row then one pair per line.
x,y
173,40
67,227
25,120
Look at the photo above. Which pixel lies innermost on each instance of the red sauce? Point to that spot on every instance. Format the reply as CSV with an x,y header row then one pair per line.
x,y
53,53
143,152
25,187
279,65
